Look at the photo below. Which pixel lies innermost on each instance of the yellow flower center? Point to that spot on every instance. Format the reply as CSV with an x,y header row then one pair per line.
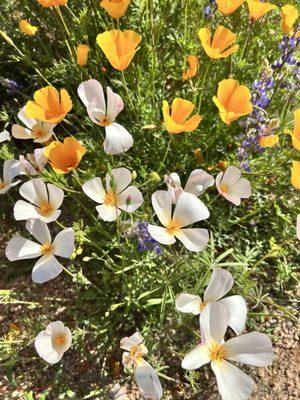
x,y
136,353
202,305
217,352
105,121
224,188
45,208
60,340
172,227
46,248
2,185
110,199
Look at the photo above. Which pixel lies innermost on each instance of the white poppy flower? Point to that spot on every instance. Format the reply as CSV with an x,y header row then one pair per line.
x,y
52,342
135,349
4,136
114,199
104,113
44,201
252,348
34,164
220,283
47,267
231,186
188,210
298,226
148,381
197,183
10,170
39,131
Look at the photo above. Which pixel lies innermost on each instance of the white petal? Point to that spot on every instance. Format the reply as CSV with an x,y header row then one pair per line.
x,y
44,348
19,248
127,342
24,211
160,234
108,213
214,322
233,199
11,169
231,175
6,188
91,91
162,204
196,358
114,104
189,209
46,130
252,348
148,381
56,196
130,199
117,139
198,182
95,114
50,217
233,384
122,177
220,283
34,191
237,308
46,268
28,122
188,303
19,132
298,226
4,136
94,190
194,239
63,244
39,230
241,188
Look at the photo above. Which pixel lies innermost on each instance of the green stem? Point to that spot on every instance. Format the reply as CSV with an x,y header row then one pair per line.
x,y
162,164
127,90
202,84
247,38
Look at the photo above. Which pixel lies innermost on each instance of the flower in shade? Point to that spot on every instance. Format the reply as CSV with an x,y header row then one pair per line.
x,y
52,342
52,3
268,141
43,201
134,349
27,28
64,157
49,105
177,120
253,348
232,100
82,52
117,197
47,267
33,164
289,15
220,283
295,174
104,113
222,43
119,47
115,8
258,9
34,129
228,7
188,210
198,181
298,226
295,134
192,69
10,171
231,186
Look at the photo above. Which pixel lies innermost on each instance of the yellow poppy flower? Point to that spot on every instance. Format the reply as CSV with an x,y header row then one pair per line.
x,y
295,174
296,133
27,28
49,105
192,69
289,16
115,8
232,100
82,54
177,121
268,141
52,3
64,157
220,46
257,8
228,7
119,47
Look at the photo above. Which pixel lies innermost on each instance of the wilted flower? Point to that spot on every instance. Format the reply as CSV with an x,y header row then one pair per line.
x,y
221,45
289,16
53,342
177,121
192,69
34,164
228,7
295,174
115,8
82,52
231,186
220,283
296,132
27,28
10,171
258,8
53,3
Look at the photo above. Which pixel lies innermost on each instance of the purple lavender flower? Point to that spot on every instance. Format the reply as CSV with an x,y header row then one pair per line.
x,y
145,240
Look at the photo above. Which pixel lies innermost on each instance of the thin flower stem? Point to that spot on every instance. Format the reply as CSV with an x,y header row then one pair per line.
x,y
72,14
57,15
202,84
127,90
247,38
162,164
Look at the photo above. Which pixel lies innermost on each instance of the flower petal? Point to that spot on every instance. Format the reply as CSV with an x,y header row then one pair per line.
x,y
19,248
44,348
161,235
39,230
34,191
214,322
45,269
237,308
241,189
56,196
148,381
108,213
194,239
130,199
117,139
189,209
196,358
24,210
19,132
162,204
122,178
220,283
94,190
63,244
91,92
127,342
28,122
188,303
198,182
114,104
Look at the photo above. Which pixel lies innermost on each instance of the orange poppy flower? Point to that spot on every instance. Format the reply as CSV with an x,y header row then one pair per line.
x,y
82,52
115,8
27,28
258,9
268,141
221,44
49,105
52,3
232,100
192,69
64,157
295,174
296,133
177,121
119,47
289,16
228,7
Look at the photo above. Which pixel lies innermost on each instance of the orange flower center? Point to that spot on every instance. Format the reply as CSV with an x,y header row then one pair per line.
x,y
217,352
110,199
105,121
172,227
224,188
45,208
46,248
2,185
135,352
202,305
60,340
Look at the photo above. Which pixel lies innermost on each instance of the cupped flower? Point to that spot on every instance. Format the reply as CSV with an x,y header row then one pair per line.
x,y
115,8
135,349
104,113
43,201
295,174
49,105
34,163
177,120
64,157
228,7
38,131
258,9
52,3
47,267
222,43
27,28
269,141
198,181
82,53
220,284
11,169
295,134
117,197
119,47
231,186
191,71
232,100
289,15
188,210
53,342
